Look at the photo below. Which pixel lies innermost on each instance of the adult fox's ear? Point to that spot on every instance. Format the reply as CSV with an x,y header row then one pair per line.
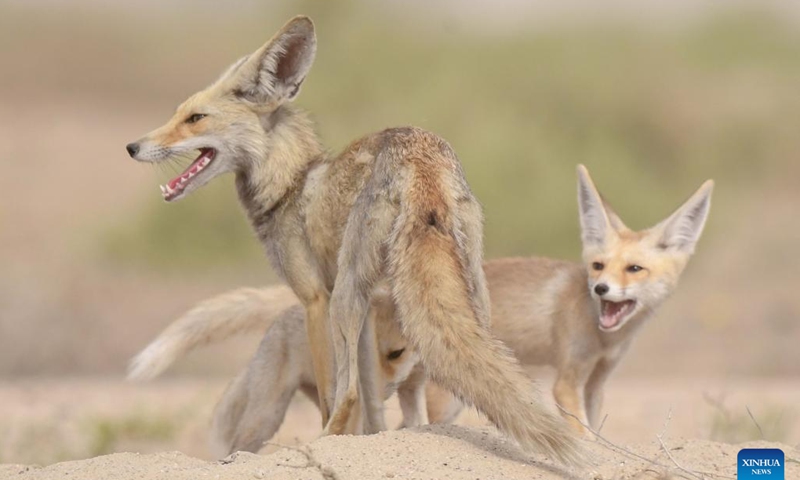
x,y
683,228
597,219
274,72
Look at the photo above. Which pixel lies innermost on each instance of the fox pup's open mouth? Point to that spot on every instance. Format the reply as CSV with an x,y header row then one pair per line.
x,y
611,313
175,186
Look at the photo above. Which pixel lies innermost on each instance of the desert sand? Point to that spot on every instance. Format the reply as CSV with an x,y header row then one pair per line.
x,y
454,452
160,430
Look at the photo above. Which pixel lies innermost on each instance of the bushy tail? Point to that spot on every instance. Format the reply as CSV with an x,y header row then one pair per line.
x,y
236,312
439,316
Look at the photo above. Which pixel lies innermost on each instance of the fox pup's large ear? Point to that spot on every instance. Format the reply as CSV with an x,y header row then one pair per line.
x,y
275,71
613,219
597,218
682,229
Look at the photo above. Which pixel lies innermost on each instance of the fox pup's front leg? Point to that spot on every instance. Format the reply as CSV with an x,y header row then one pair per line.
x,y
569,394
411,394
594,390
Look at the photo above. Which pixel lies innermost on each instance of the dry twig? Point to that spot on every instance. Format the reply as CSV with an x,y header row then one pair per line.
x,y
311,462
754,421
651,461
660,437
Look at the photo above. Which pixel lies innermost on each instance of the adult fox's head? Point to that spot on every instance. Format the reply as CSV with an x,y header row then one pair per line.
x,y
235,123
632,272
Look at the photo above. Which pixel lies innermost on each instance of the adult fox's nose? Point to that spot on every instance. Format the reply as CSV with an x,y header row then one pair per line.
x,y
601,289
132,148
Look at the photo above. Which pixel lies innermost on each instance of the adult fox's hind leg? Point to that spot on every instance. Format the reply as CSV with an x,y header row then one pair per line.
x,y
360,268
433,283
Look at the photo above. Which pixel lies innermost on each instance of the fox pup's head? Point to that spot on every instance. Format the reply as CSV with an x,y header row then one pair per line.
x,y
232,124
397,358
632,272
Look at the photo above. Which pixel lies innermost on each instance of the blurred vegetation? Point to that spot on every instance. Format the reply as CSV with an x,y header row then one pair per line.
x,y
108,435
207,231
651,113
653,108
770,422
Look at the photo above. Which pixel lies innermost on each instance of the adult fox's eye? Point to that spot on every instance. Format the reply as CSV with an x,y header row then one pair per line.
x,y
196,117
598,266
634,268
394,355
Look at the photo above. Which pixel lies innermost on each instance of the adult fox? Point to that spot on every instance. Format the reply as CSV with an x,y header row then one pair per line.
x,y
393,208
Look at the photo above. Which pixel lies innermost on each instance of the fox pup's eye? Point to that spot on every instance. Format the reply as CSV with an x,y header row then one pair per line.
x,y
395,354
194,118
634,268
598,266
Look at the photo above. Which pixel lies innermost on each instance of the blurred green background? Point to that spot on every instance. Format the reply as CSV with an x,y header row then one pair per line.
x,y
654,99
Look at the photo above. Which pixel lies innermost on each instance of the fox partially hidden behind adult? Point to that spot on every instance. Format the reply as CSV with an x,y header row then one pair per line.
x,y
393,208
255,403
579,318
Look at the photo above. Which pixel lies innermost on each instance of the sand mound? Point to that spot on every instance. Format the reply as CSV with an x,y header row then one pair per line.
x,y
453,452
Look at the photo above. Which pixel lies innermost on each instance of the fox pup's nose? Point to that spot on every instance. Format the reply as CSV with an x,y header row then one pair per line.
x,y
132,148
601,289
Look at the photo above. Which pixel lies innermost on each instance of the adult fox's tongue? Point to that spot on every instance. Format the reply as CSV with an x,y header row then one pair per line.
x,y
201,161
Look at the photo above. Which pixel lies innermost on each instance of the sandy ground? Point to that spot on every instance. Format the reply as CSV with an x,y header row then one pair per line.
x,y
450,451
49,421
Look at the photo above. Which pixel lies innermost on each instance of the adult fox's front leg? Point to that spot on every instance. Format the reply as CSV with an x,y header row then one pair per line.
x,y
305,280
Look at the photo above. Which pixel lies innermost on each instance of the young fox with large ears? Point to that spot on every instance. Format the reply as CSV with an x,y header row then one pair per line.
x,y
581,318
393,208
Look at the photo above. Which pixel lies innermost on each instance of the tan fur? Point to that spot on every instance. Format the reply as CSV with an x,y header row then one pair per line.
x,y
253,406
547,312
543,310
393,208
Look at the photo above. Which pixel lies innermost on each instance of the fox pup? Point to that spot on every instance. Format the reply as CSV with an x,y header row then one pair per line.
x,y
255,403
581,318
393,207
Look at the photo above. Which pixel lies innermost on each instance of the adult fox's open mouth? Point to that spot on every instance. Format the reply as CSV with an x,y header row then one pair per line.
x,y
177,185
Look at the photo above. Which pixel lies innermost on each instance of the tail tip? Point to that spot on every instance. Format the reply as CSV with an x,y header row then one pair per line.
x,y
141,368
